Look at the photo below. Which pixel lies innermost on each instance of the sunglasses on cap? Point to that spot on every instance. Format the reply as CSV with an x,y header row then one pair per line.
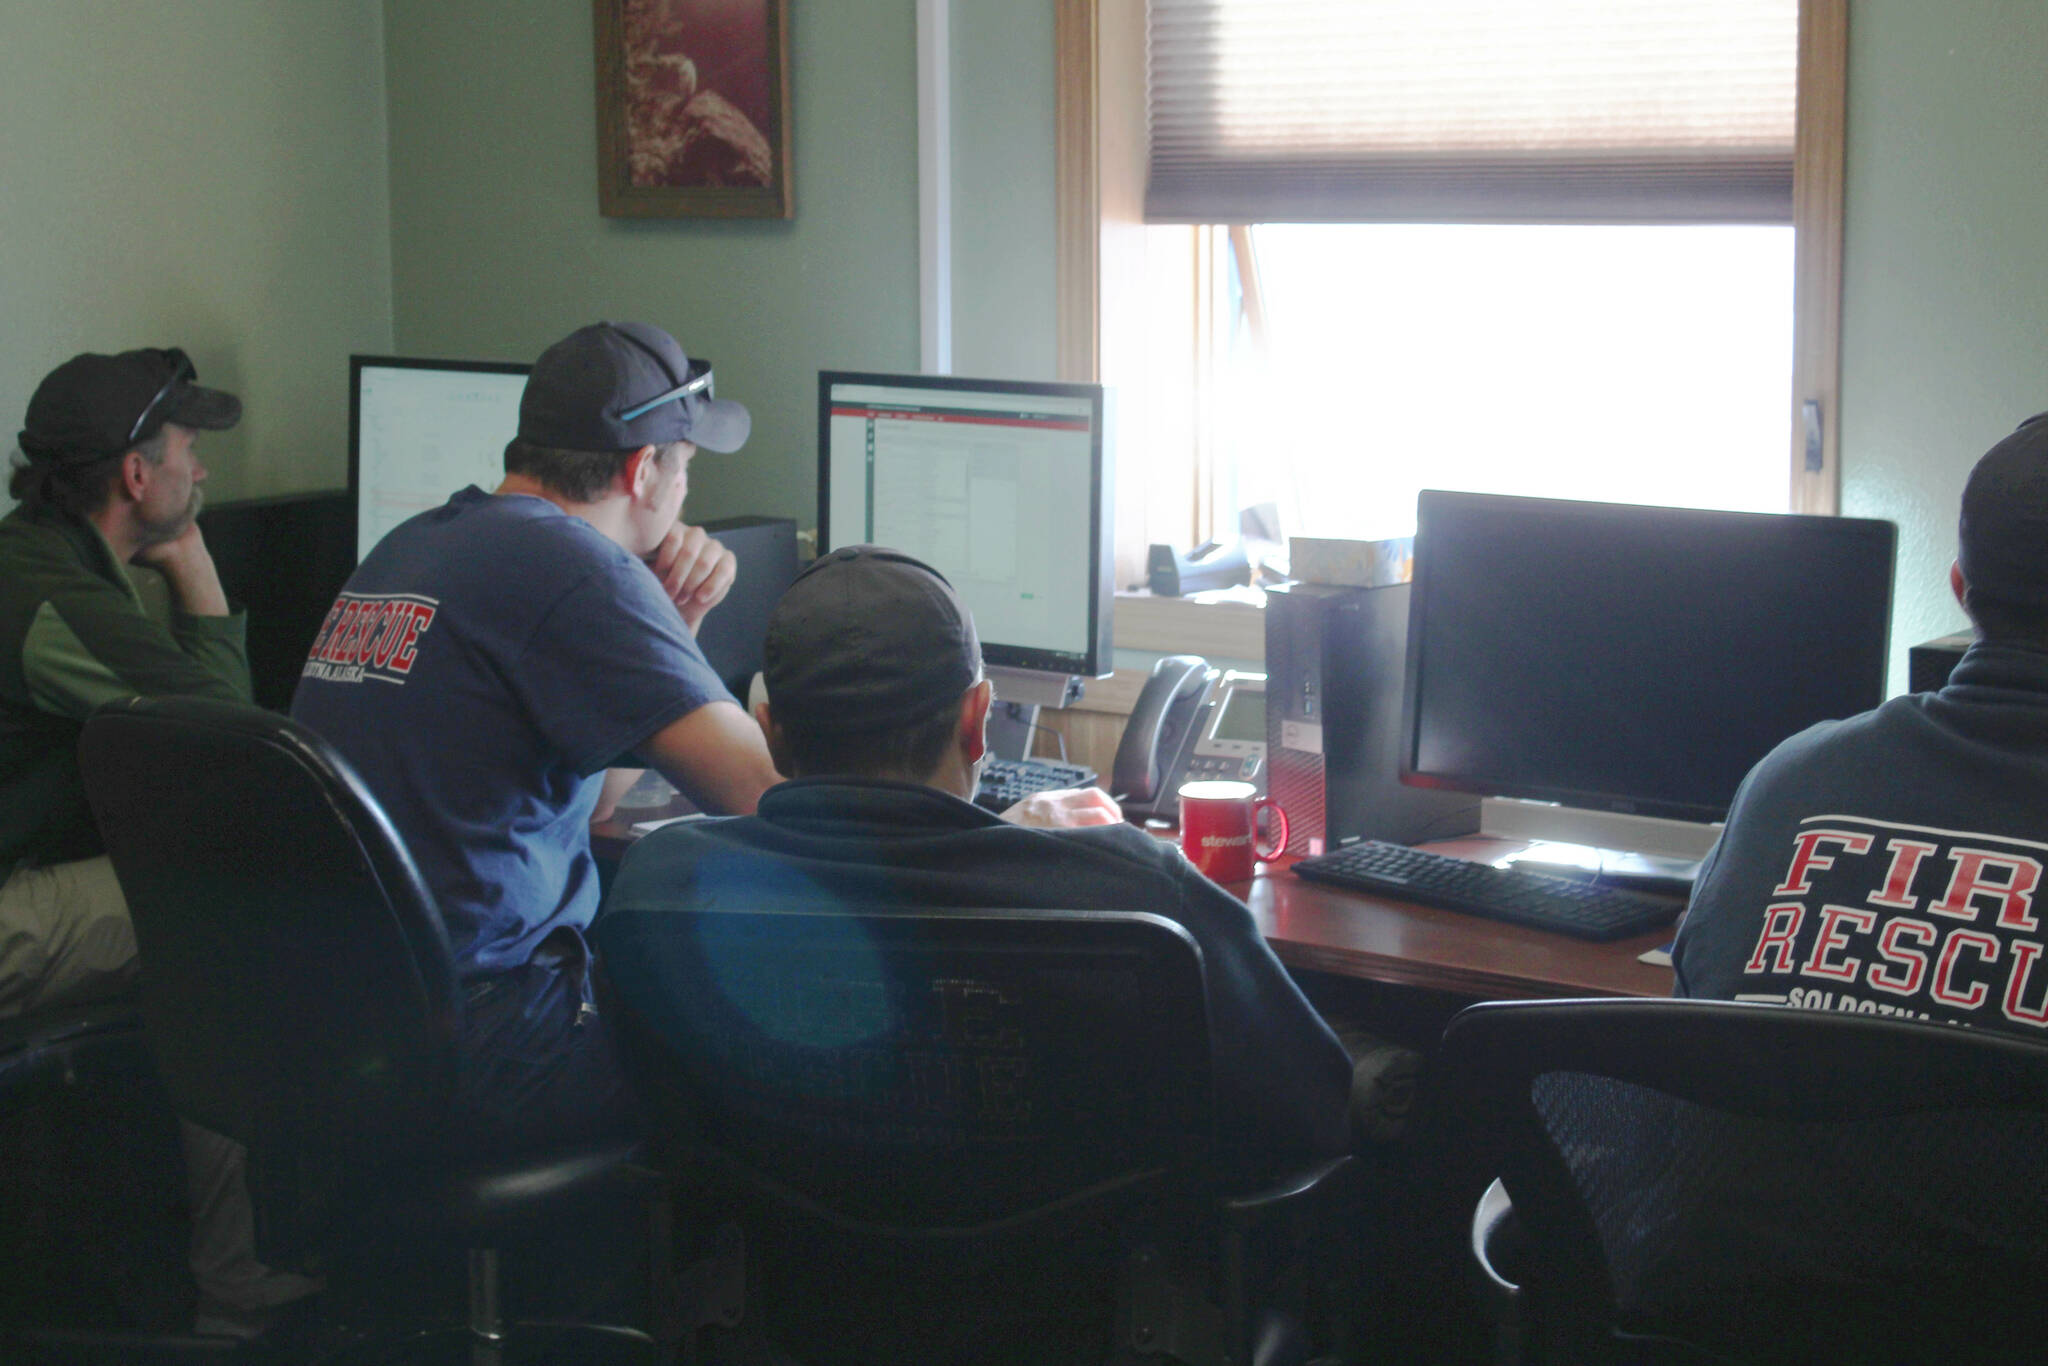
x,y
182,372
698,380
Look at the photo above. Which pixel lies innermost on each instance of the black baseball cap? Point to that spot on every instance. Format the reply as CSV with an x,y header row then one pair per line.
x,y
2002,536
866,638
621,386
93,406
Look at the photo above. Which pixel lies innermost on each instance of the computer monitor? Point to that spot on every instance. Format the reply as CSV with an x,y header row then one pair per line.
x,y
735,633
1632,659
421,430
1001,485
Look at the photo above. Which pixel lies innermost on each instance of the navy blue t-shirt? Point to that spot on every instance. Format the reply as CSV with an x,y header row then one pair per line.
x,y
484,665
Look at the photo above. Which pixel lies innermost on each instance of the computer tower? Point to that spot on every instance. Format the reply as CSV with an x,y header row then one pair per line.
x,y
734,632
1335,660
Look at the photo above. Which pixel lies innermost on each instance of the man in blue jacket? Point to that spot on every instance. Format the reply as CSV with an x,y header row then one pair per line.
x,y
1890,864
876,706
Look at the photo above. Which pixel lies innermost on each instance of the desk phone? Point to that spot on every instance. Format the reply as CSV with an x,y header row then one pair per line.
x,y
1191,722
1231,741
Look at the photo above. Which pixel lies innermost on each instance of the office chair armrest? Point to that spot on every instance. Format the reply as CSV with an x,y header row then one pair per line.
x,y
1326,1181
1493,1227
25,1038
1271,1263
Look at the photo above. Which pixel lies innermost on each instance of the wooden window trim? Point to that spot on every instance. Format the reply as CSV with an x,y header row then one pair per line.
x,y
1817,154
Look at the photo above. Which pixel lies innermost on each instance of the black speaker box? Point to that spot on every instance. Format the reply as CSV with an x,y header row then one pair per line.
x,y
1929,663
1335,660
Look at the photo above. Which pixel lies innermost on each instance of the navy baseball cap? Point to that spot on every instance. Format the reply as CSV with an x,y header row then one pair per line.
x,y
94,406
868,637
621,386
2002,537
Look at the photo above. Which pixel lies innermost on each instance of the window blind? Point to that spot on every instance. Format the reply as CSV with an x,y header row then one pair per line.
x,y
1471,111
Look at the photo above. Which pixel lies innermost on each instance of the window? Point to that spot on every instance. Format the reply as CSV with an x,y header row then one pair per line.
x,y
1472,383
1642,364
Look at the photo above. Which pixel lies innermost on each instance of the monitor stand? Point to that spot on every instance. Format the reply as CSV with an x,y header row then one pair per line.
x,y
1644,851
1019,694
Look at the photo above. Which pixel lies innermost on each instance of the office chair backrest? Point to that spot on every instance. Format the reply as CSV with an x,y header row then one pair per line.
x,y
1779,1183
296,984
937,1069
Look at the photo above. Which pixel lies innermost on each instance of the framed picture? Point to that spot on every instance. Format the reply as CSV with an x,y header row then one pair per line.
x,y
693,108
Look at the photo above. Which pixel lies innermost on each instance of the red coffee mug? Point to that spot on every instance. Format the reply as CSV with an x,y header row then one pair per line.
x,y
1219,823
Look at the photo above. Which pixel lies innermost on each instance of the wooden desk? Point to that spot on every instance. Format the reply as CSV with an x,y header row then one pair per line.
x,y
1349,934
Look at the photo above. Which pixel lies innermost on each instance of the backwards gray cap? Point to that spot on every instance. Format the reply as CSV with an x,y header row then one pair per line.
x,y
621,386
2002,537
866,638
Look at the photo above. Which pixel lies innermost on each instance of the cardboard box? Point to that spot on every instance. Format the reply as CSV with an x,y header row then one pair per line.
x,y
1351,564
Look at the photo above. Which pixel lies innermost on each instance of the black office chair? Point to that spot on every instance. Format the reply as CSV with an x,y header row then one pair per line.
x,y
1696,1180
952,1136
300,997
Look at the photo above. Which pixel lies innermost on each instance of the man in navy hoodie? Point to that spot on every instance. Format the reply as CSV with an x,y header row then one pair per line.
x,y
876,707
1889,864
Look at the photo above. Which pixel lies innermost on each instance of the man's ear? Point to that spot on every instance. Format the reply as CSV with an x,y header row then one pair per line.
x,y
1956,583
641,469
134,476
973,733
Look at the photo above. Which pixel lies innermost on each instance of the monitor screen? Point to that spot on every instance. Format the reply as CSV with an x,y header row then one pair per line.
x,y
1632,659
421,430
1002,486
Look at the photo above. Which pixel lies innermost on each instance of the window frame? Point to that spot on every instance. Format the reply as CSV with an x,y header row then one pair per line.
x,y
1100,143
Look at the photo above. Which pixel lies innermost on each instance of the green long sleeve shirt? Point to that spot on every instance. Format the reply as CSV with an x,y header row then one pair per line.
x,y
73,635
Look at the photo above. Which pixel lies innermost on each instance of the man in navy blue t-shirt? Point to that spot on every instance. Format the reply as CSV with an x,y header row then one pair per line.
x,y
491,658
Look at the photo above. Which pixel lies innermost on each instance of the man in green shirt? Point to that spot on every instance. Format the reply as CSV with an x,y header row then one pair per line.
x,y
107,477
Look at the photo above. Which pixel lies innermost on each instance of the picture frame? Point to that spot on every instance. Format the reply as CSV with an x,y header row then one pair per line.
x,y
693,109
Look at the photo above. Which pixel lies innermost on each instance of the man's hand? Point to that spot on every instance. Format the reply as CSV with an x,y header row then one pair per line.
x,y
187,565
695,571
1066,807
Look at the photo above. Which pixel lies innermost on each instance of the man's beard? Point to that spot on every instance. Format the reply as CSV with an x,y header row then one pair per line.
x,y
172,527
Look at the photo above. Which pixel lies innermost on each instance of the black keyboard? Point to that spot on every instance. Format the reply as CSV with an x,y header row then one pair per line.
x,y
1518,896
1005,782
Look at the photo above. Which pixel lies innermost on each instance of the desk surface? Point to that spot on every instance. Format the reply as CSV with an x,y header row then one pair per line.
x,y
1350,934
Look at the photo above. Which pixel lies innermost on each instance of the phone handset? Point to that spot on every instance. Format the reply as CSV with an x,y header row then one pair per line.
x,y
1158,730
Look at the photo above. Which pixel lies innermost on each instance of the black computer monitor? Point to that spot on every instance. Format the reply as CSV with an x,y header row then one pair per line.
x,y
735,633
1001,485
1632,659
420,431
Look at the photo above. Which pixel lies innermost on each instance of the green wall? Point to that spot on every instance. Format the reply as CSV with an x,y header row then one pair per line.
x,y
498,247
1945,308
209,174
